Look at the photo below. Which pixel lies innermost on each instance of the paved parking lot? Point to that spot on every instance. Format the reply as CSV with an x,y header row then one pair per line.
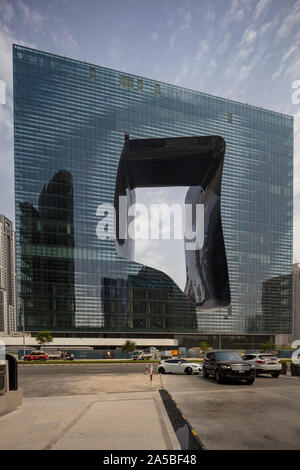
x,y
265,415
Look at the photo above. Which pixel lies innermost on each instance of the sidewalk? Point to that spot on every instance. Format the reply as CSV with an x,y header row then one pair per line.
x,y
109,421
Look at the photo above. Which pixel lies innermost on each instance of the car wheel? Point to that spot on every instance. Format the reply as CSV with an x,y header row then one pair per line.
x,y
218,377
205,374
26,359
250,381
275,374
188,371
161,370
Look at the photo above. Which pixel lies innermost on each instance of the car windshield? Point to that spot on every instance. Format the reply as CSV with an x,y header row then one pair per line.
x,y
227,356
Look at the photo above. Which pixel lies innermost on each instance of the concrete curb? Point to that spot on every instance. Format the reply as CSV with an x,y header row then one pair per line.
x,y
169,433
185,420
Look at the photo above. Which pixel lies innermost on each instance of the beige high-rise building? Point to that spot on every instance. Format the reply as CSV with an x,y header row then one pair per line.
x,y
8,323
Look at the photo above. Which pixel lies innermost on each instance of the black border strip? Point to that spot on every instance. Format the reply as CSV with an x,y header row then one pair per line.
x,y
178,421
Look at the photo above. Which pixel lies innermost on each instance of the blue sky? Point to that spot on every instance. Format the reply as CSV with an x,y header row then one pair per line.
x,y
246,50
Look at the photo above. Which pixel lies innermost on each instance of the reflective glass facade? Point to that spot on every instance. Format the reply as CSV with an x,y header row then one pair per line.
x,y
70,119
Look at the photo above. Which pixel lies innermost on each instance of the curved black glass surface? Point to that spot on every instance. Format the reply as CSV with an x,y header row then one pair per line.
x,y
195,163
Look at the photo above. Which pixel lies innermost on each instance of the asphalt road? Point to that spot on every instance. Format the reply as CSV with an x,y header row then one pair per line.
x,y
236,416
63,379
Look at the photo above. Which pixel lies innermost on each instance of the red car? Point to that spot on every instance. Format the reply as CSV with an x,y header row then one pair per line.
x,y
36,356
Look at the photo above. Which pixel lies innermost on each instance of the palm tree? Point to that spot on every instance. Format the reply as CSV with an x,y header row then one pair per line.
x,y
129,346
266,346
43,337
204,347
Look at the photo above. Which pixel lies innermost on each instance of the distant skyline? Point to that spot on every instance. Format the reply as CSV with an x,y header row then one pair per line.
x,y
245,50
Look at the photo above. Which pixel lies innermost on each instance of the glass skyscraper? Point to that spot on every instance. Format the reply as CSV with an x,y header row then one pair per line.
x,y
70,119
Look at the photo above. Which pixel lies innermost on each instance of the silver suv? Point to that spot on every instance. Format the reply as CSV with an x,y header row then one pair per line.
x,y
264,363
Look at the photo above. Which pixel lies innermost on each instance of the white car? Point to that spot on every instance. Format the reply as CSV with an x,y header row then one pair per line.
x,y
178,366
264,363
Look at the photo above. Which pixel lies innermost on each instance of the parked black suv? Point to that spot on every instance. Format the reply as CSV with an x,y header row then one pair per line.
x,y
227,365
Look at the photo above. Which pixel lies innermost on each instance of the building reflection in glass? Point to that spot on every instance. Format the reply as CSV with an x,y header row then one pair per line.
x,y
276,303
47,256
148,300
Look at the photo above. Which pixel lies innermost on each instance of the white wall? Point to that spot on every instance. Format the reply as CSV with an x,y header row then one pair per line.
x,y
31,342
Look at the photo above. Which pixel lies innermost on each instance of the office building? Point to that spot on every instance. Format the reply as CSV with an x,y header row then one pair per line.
x,y
70,118
7,277
296,301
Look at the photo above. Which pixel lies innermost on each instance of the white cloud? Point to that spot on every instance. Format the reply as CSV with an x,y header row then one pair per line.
x,y
172,40
245,70
64,41
183,71
7,11
114,49
261,7
247,4
249,36
224,43
277,73
186,17
6,127
32,17
154,36
202,49
235,14
290,21
210,17
265,28
240,65
291,50
246,44
170,20
292,71
7,38
240,71
113,53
